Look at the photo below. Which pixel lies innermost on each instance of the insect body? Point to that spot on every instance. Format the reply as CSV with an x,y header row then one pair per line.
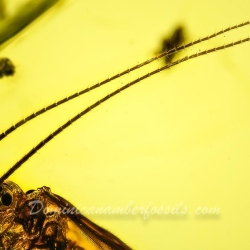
x,y
7,68
41,220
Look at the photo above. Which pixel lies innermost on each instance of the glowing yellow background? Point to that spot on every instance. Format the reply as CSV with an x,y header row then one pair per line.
x,y
180,136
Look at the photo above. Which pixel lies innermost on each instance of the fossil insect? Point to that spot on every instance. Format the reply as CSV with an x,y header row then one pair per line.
x,y
25,225
7,68
39,219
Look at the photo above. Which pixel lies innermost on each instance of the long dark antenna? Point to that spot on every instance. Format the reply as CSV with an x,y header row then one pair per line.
x,y
166,53
85,111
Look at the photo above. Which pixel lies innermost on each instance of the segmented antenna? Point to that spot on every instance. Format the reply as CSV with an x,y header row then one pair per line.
x,y
96,104
166,53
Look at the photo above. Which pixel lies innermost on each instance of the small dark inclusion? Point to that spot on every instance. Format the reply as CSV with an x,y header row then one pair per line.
x,y
7,68
175,40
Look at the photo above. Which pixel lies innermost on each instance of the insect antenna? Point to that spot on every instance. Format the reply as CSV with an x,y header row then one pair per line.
x,y
105,98
140,65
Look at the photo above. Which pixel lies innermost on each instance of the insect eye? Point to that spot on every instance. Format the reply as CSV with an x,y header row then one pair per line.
x,y
6,199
